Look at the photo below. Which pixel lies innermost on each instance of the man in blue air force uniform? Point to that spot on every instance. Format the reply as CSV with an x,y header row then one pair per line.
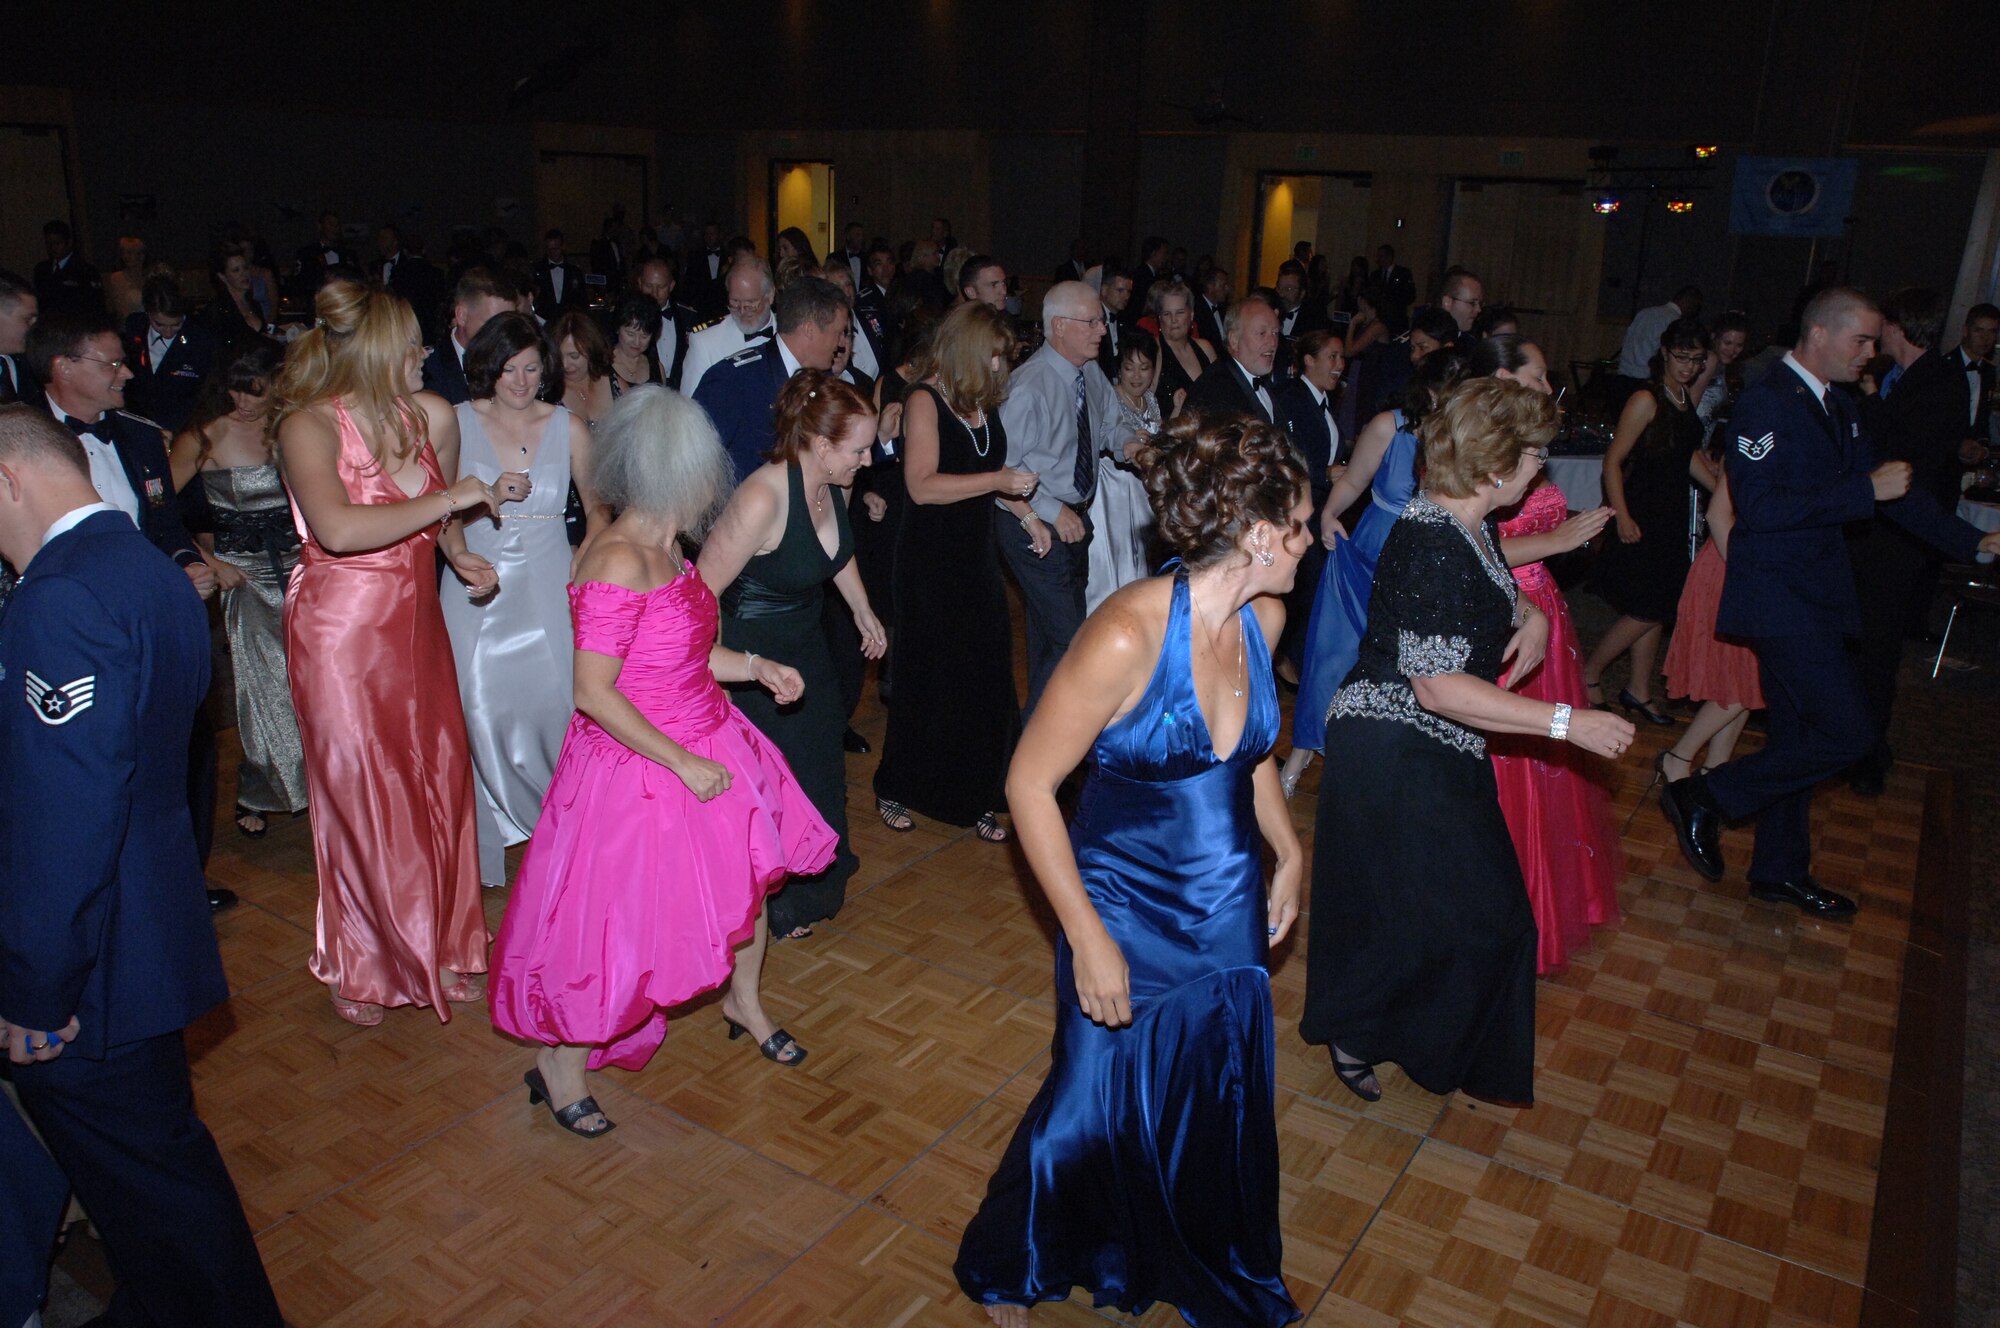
x,y
107,952
1800,471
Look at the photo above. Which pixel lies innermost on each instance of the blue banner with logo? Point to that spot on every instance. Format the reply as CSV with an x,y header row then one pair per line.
x,y
1792,195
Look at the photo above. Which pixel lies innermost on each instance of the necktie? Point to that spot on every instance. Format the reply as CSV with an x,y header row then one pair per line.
x,y
9,394
1086,453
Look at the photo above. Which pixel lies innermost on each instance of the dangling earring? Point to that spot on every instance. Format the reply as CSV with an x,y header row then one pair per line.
x,y
1499,483
1263,554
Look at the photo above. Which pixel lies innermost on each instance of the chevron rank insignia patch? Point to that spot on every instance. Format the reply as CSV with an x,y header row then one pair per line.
x,y
59,705
1756,449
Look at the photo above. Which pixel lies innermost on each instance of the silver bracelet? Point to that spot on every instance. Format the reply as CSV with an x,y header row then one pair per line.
x,y
1559,722
750,664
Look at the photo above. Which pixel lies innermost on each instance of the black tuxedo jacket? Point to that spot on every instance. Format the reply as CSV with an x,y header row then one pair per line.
x,y
314,260
1107,349
707,294
21,385
547,306
142,450
683,319
1223,389
1208,322
444,375
75,287
609,259
422,285
1982,421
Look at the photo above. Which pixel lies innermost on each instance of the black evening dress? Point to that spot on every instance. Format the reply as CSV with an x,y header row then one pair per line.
x,y
773,608
1174,378
1643,580
1422,942
954,715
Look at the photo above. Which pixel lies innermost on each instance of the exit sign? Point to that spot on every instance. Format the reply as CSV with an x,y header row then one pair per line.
x,y
1513,161
1305,152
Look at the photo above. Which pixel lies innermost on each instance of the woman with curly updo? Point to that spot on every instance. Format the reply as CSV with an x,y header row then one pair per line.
x,y
1147,1167
1422,949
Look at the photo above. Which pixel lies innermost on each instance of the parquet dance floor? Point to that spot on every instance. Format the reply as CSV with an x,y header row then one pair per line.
x,y
1712,1082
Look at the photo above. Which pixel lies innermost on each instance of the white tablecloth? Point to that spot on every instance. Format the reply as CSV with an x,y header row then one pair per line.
x,y
1984,515
1581,478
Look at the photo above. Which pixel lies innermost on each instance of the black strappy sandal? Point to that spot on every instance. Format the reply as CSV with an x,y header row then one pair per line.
x,y
567,1117
773,1046
988,828
1354,1076
895,815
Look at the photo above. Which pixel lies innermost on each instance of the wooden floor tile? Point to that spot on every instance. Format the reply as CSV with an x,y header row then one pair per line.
x,y
1710,1095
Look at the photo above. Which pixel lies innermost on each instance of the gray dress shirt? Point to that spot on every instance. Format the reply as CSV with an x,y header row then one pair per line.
x,y
1039,415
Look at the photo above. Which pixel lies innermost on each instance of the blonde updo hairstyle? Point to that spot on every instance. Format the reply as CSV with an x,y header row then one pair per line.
x,y
1210,478
1479,430
358,349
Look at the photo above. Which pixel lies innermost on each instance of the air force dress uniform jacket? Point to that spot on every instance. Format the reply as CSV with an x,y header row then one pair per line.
x,y
168,389
739,394
1799,473
104,657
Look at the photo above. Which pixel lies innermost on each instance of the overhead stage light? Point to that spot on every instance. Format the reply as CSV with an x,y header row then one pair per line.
x,y
1605,205
1703,151
1679,205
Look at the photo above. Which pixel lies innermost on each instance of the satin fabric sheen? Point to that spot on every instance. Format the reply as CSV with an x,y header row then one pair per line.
x,y
512,647
387,769
1340,608
244,500
1700,665
1147,1166
634,894
1551,792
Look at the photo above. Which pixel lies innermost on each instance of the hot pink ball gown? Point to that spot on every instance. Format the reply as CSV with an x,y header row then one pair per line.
x,y
1557,812
634,894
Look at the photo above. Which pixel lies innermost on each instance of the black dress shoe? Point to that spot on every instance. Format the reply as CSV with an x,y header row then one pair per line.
x,y
1697,824
1806,892
221,899
855,743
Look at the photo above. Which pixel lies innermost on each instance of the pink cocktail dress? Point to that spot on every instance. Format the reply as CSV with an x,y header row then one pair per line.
x,y
1557,812
634,894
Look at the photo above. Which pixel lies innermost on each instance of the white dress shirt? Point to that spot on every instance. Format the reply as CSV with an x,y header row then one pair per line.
x,y
107,472
710,347
73,518
1642,339
1812,380
1263,394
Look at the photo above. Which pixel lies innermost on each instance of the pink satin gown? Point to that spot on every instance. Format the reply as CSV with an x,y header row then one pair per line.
x,y
634,894
1557,812
387,767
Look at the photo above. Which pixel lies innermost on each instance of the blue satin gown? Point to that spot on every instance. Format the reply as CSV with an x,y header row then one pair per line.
x,y
1340,608
1147,1167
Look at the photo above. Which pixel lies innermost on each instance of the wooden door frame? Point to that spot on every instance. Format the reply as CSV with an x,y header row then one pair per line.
x,y
1260,191
771,165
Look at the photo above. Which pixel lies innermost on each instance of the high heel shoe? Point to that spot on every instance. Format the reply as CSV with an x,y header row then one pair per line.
x,y
1644,709
359,1013
567,1117
1354,1075
1593,692
773,1046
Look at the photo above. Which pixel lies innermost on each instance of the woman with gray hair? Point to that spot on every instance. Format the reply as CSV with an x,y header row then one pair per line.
x,y
670,816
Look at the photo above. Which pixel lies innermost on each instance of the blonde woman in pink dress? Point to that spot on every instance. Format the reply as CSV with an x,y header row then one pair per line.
x,y
1557,811
670,817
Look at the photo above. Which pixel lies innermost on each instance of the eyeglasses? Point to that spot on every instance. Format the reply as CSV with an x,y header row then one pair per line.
x,y
1473,300
113,365
1087,322
1540,454
1687,356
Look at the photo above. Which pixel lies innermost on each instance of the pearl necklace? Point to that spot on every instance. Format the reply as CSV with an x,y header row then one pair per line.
x,y
985,447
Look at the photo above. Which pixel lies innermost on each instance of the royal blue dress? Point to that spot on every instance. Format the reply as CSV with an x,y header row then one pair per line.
x,y
1147,1167
1340,608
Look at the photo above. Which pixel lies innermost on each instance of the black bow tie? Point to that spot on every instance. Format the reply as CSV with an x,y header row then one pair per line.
x,y
759,335
81,427
1260,381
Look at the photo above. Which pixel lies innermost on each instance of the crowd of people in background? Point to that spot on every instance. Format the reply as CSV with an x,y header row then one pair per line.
x,y
597,556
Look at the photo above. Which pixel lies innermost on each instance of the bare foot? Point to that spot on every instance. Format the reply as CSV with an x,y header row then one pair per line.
x,y
1008,1316
562,1070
